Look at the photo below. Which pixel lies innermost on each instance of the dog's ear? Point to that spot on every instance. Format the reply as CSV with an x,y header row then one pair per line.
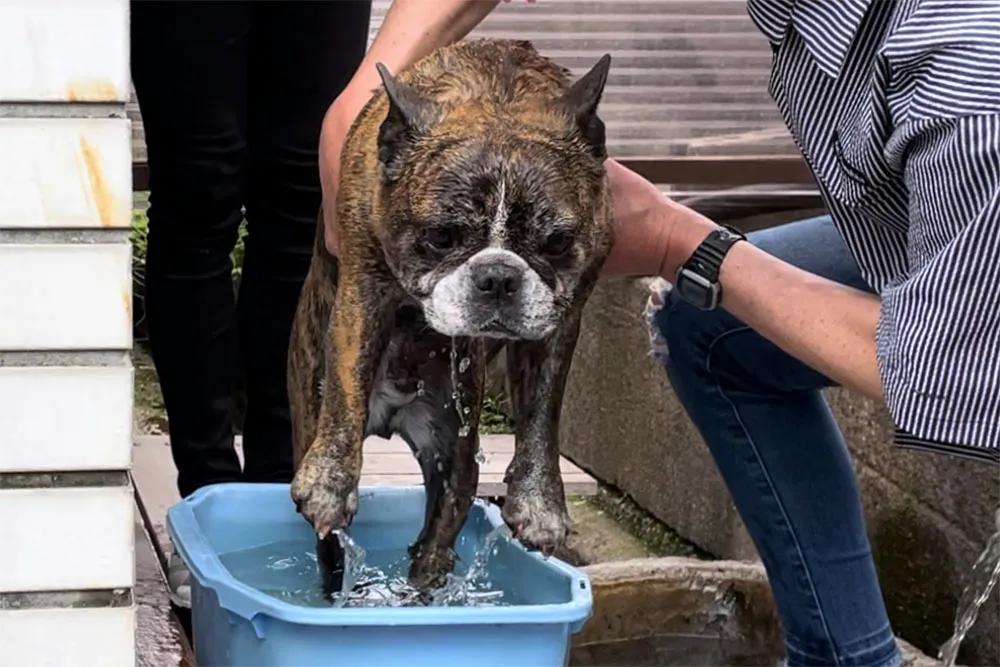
x,y
581,101
406,120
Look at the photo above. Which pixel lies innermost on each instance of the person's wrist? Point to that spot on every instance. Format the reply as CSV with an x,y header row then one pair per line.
x,y
686,230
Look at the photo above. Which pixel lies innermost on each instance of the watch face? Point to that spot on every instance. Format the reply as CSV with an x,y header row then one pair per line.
x,y
696,290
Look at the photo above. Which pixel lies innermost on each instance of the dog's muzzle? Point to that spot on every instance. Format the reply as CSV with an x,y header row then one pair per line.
x,y
497,280
495,293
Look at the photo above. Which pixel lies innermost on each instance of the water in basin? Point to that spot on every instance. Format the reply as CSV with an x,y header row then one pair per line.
x,y
288,570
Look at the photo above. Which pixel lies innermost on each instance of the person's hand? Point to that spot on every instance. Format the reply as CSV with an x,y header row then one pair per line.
x,y
642,236
653,233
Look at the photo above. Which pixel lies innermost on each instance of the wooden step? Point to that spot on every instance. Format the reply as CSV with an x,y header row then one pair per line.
x,y
386,462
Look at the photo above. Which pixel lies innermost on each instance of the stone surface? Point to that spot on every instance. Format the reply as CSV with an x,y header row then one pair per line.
x,y
621,422
159,641
928,516
681,611
597,537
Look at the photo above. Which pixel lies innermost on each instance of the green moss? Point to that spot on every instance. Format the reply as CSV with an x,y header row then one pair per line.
x,y
917,576
659,538
493,418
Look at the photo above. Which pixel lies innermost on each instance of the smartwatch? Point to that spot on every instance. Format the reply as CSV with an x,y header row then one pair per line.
x,y
698,279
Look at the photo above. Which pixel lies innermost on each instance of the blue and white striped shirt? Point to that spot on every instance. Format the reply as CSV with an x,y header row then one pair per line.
x,y
895,105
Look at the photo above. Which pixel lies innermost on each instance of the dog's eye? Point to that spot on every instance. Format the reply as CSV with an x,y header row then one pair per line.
x,y
441,238
557,243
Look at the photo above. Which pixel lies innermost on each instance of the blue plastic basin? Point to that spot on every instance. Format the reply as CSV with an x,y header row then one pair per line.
x,y
235,624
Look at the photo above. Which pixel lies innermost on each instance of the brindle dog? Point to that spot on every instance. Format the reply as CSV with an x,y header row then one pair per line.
x,y
474,213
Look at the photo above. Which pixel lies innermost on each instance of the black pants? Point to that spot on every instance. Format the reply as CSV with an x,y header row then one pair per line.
x,y
232,96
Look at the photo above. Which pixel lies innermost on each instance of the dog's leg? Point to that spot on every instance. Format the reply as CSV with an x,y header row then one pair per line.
x,y
451,472
325,487
535,507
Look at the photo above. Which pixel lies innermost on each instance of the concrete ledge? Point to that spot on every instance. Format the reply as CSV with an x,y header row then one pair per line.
x,y
680,611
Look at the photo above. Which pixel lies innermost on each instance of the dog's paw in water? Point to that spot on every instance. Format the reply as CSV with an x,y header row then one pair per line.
x,y
537,521
328,501
429,569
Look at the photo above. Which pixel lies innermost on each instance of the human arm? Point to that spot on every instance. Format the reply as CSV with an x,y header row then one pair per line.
x,y
827,325
410,30
930,345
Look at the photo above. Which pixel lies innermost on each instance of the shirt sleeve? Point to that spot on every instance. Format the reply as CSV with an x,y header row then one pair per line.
x,y
938,336
939,332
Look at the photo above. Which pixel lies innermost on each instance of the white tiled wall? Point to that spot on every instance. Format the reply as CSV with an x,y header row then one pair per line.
x,y
64,50
65,173
66,418
65,329
67,638
66,539
65,296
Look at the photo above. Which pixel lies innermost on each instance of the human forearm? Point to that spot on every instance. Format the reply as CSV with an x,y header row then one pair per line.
x,y
826,325
411,30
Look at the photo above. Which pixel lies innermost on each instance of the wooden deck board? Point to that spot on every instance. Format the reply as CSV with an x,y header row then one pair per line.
x,y
386,462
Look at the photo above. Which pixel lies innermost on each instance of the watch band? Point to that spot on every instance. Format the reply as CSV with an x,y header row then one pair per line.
x,y
706,260
698,278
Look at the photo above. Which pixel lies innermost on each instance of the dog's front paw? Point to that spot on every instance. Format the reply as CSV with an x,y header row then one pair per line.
x,y
328,501
538,519
429,568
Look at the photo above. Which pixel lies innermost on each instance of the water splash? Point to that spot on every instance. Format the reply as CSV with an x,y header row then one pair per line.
x,y
387,585
373,578
458,368
985,574
456,388
474,588
354,566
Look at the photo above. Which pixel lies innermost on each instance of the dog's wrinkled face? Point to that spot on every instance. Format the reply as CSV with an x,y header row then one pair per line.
x,y
490,217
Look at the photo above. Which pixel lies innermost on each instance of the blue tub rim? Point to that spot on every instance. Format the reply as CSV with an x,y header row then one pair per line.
x,y
247,602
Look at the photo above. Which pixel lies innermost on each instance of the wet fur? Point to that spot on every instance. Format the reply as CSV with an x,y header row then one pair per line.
x,y
363,359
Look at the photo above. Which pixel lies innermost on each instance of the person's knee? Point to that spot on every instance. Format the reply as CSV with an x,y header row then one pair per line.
x,y
680,335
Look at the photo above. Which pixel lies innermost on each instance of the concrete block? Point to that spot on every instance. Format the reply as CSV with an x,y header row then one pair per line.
x,y
622,423
680,611
66,296
63,539
93,430
64,51
68,637
64,173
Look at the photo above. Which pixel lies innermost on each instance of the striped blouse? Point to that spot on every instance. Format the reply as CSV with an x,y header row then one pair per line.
x,y
895,105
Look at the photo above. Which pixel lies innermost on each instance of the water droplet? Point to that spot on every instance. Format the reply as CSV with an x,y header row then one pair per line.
x,y
463,432
463,365
466,410
480,456
432,354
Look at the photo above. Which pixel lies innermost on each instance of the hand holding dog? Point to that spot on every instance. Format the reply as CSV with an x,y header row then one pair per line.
x,y
654,235
410,30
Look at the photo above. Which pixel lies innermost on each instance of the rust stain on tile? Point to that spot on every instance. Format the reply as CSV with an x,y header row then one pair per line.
x,y
95,90
109,209
127,302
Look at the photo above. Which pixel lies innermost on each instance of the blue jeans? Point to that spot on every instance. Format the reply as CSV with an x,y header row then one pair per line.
x,y
782,455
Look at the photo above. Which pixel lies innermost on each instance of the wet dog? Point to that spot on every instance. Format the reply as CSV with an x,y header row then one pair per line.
x,y
474,214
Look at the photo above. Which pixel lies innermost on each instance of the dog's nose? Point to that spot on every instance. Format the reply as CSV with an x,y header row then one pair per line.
x,y
497,280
